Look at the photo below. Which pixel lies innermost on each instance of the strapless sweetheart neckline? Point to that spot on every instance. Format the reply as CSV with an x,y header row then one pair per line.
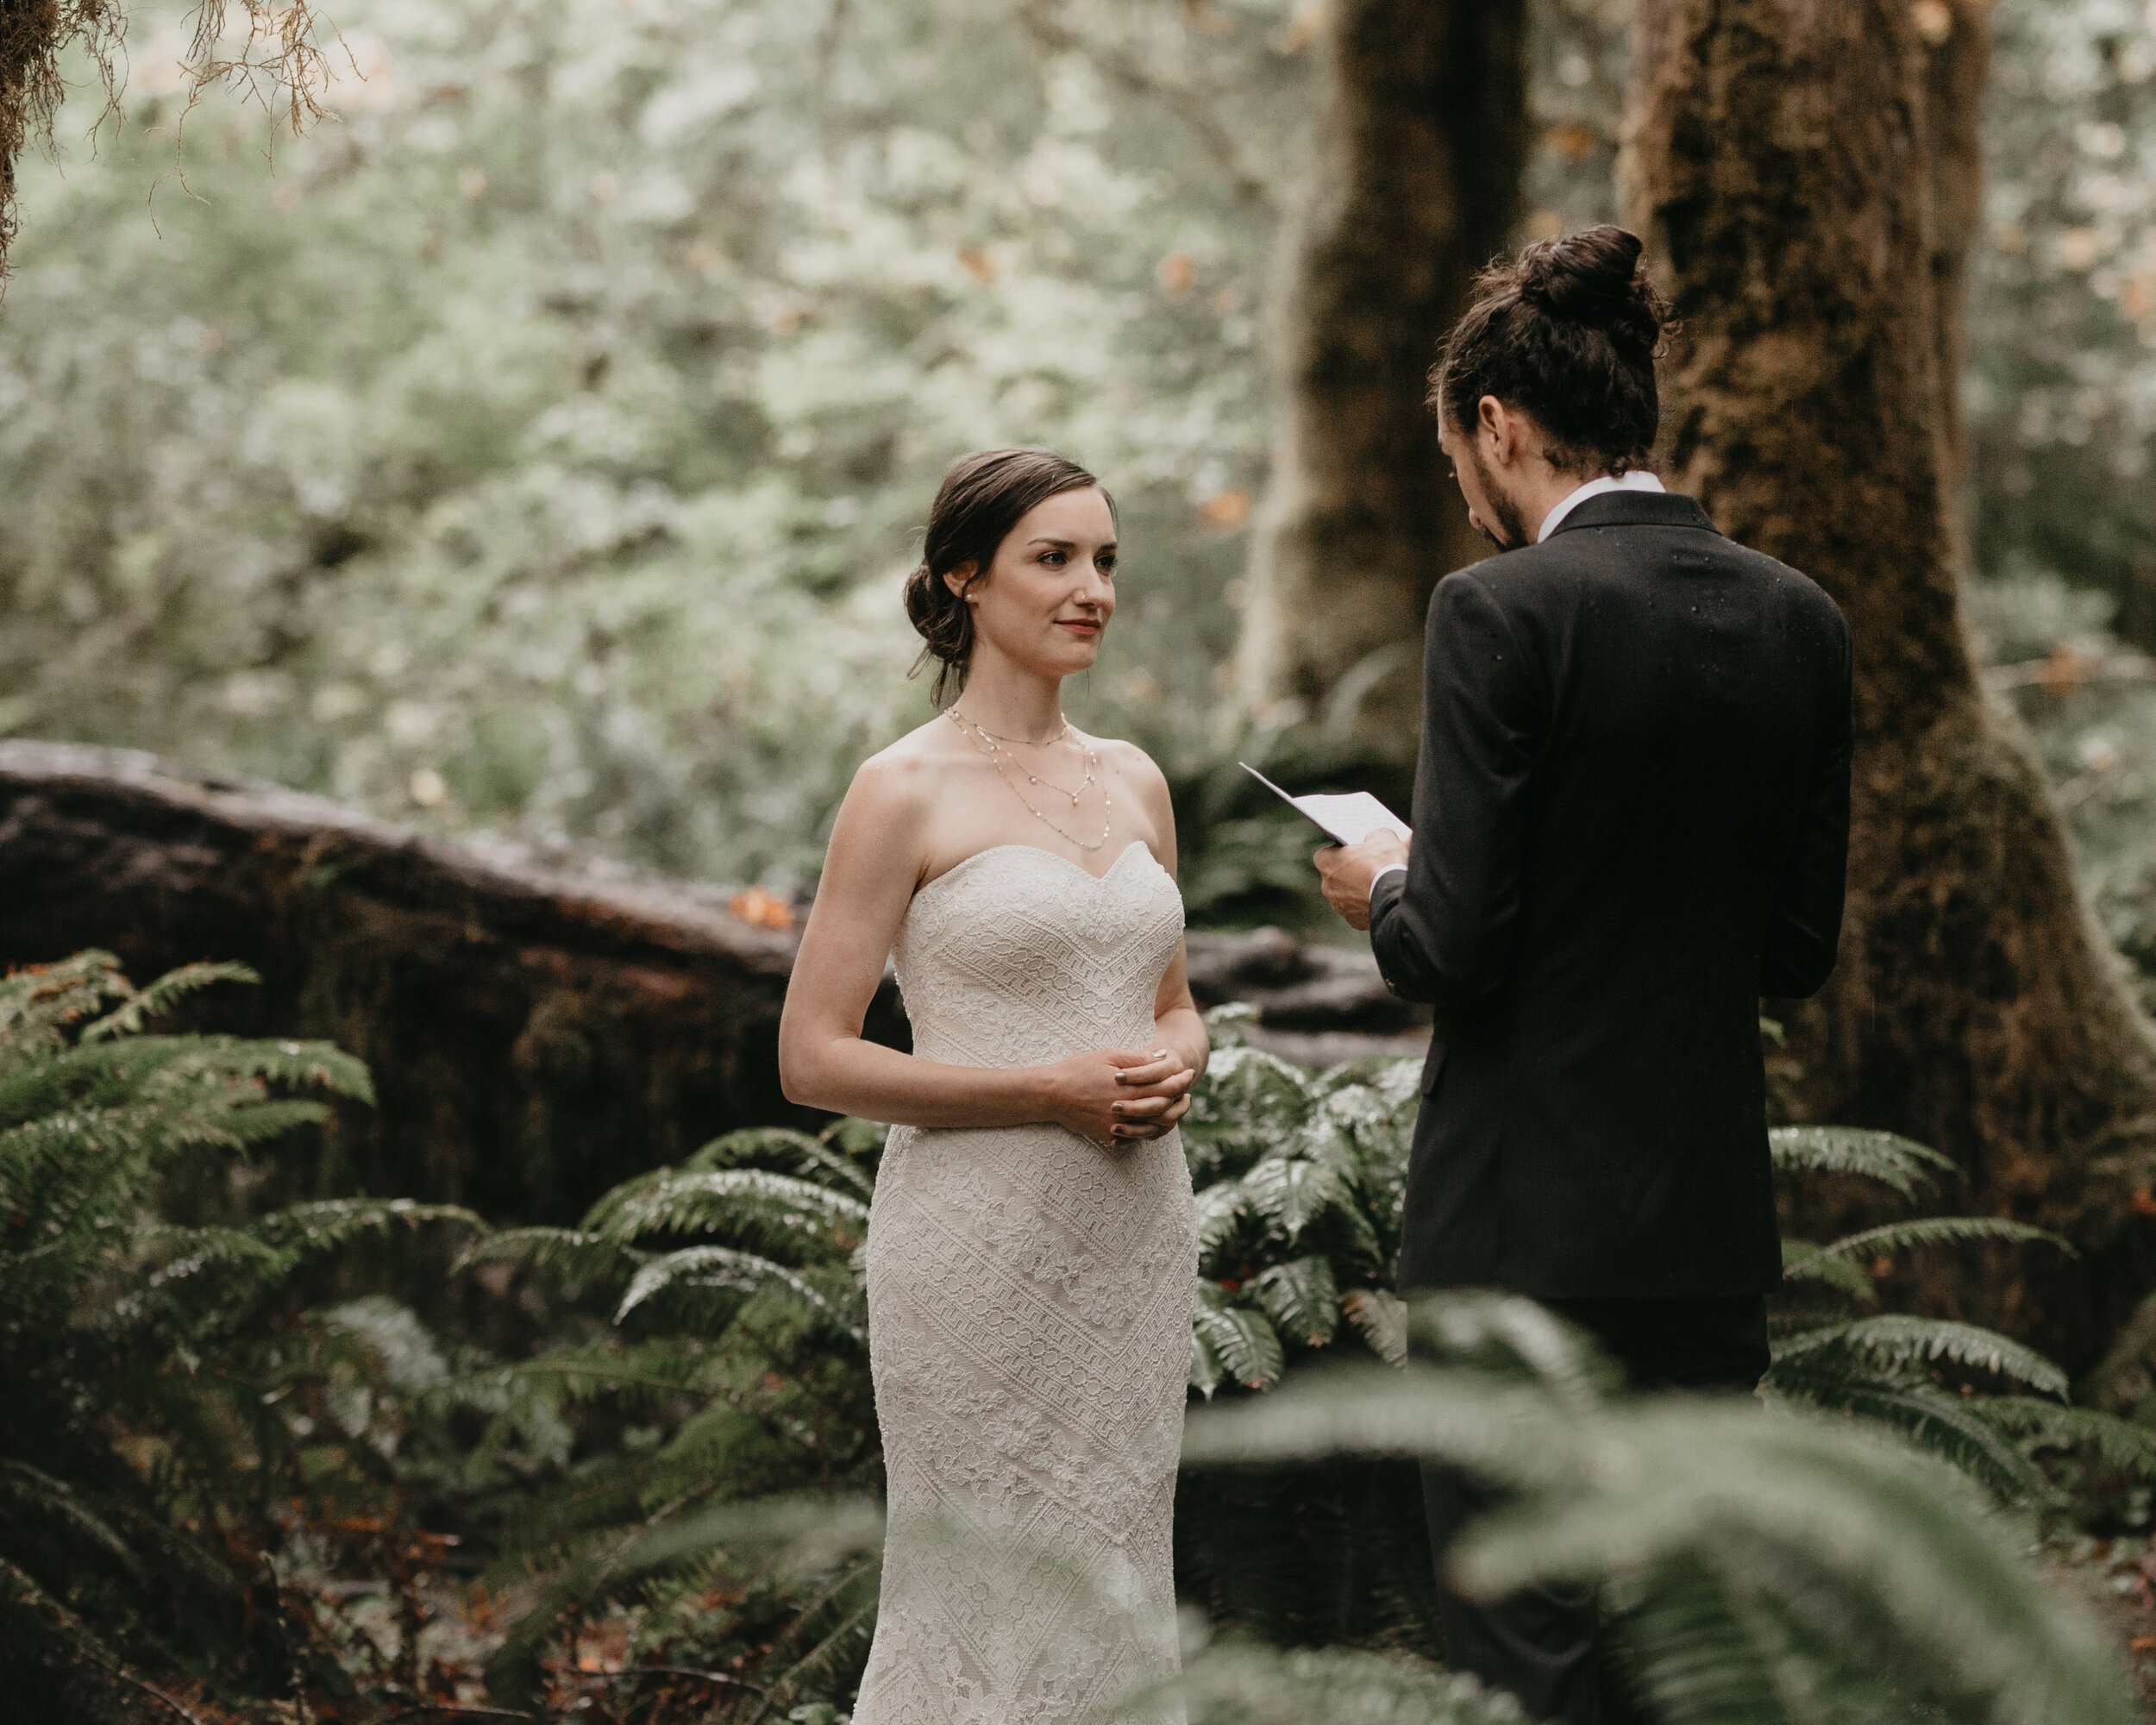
x,y
1043,851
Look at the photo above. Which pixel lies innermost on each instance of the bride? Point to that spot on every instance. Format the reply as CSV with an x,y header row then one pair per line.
x,y
1033,1247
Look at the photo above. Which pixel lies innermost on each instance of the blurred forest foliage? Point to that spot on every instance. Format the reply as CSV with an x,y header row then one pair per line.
x,y
537,444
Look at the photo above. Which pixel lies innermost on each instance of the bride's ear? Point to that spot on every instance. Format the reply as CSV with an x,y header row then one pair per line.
x,y
960,579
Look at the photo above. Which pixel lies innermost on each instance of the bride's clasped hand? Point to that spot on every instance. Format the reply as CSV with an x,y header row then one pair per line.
x,y
1031,1256
1113,1093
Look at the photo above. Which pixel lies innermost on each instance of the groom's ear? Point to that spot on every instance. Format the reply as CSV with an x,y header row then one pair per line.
x,y
960,579
1500,424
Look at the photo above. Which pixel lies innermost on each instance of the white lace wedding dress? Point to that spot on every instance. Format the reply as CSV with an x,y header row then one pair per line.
x,y
1028,1317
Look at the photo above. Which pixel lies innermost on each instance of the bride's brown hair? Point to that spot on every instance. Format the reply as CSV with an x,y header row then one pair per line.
x,y
982,498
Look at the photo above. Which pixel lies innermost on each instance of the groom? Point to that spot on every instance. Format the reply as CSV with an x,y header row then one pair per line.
x,y
1632,815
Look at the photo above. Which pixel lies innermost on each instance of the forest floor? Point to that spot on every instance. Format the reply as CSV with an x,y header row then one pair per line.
x,y
2117,1578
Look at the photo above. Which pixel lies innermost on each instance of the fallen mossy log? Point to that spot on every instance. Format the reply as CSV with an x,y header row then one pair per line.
x,y
538,1028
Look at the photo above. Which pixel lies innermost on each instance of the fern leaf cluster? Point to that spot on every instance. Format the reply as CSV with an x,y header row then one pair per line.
x,y
737,1328
1300,1179
1773,1565
138,1450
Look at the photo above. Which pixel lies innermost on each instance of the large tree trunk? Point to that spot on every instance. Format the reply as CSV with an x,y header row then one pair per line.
x,y
1421,141
1806,173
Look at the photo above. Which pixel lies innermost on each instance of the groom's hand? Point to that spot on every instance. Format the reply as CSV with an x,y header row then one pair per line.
x,y
1348,870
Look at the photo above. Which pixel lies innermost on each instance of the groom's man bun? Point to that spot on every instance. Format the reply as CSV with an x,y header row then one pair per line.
x,y
1569,332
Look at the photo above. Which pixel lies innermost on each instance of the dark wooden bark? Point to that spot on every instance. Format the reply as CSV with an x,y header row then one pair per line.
x,y
1805,172
536,1033
1415,186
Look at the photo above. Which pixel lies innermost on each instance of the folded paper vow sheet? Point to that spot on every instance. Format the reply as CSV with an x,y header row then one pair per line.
x,y
1349,818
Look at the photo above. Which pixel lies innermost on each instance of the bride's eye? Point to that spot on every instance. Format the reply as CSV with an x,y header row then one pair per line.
x,y
1105,565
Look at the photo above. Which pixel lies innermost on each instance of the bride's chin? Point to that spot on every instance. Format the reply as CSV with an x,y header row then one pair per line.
x,y
1072,660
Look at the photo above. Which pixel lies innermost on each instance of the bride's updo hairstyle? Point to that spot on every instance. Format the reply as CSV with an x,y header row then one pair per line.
x,y
1568,333
983,497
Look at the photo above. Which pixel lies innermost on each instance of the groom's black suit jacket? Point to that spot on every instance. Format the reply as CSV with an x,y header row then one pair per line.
x,y
1632,815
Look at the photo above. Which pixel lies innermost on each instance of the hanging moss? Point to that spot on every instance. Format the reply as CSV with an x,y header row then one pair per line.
x,y
278,62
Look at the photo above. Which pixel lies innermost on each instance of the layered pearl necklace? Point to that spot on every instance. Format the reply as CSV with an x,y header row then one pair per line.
x,y
990,745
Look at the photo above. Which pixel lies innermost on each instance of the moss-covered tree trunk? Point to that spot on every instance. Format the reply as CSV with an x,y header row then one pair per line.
x,y
1414,186
1806,175
30,35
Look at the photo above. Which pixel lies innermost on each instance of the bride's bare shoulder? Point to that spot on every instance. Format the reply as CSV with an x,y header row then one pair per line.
x,y
905,779
1135,767
1130,760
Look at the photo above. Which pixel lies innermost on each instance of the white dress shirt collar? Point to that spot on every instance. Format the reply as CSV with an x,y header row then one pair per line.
x,y
1638,479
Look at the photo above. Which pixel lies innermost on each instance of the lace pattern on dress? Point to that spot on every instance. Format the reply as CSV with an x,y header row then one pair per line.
x,y
1029,1319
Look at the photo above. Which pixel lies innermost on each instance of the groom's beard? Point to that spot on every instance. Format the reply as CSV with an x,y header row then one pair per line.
x,y
1509,527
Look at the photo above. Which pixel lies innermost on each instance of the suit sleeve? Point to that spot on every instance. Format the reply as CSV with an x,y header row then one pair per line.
x,y
1443,932
1804,930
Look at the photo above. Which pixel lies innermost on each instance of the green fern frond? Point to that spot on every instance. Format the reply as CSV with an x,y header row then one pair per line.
x,y
1291,1194
1861,1516
1511,1332
1709,1649
747,1204
168,1061
722,1267
1498,1425
40,1003
1301,1299
1246,1683
1225,1024
1380,1317
1885,1156
1205,1374
1894,1237
1222,1209
311,1229
2126,1374
1824,1268
1894,1342
828,1639
780,1147
1242,1339
589,1259
160,996
2046,1425
30,1495
1953,1427
1247,1106
410,1359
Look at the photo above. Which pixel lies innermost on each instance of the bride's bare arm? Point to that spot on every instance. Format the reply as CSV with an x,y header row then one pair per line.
x,y
870,873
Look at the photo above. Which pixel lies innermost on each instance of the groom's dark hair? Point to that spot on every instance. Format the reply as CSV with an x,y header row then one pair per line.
x,y
1568,333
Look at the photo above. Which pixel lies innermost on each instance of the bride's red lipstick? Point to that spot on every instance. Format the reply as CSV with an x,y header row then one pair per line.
x,y
1083,626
